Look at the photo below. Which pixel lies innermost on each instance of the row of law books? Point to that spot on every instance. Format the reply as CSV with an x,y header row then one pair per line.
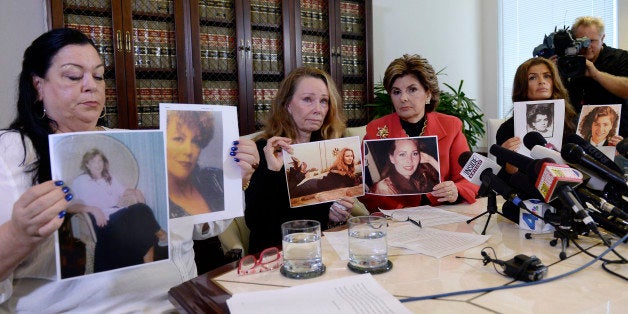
x,y
354,98
216,10
267,52
154,44
314,51
266,12
314,14
220,93
352,52
217,49
351,17
141,6
99,30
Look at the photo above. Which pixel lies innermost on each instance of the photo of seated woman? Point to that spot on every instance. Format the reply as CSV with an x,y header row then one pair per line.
x,y
324,171
122,206
540,118
402,166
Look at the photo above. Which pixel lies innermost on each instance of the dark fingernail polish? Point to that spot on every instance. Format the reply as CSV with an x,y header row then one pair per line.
x,y
232,153
234,148
69,197
65,189
236,142
59,183
62,214
236,159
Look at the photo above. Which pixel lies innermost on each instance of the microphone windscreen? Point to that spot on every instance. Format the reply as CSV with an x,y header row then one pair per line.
x,y
593,152
464,157
533,138
571,153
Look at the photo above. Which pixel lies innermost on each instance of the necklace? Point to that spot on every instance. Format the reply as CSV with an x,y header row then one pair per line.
x,y
424,125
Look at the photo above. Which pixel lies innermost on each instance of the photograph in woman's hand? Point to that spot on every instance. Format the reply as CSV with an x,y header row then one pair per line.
x,y
401,166
119,185
324,171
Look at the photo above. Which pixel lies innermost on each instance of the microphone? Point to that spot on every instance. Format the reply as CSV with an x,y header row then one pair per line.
x,y
622,147
592,180
601,203
553,177
479,171
593,152
524,163
567,196
535,138
575,154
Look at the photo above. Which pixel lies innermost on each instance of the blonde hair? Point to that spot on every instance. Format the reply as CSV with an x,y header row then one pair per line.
x,y
588,21
280,121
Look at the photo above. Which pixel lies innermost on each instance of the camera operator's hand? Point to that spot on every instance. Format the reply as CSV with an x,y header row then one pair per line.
x,y
591,71
554,58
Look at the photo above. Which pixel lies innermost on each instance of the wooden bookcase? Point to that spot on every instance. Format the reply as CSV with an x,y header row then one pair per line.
x,y
224,52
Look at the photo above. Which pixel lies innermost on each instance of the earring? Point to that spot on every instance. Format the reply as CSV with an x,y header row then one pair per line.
x,y
43,114
427,102
104,113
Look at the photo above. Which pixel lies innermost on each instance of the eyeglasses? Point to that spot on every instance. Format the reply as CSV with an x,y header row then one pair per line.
x,y
400,217
269,259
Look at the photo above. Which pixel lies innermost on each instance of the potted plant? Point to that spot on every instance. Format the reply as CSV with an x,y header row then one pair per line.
x,y
452,102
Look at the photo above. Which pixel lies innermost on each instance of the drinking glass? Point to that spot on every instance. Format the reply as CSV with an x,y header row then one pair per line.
x,y
368,250
302,254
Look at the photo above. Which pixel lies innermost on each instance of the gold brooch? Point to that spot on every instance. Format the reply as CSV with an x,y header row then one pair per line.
x,y
382,132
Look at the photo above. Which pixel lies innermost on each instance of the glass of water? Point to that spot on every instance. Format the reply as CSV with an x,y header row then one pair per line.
x,y
302,254
368,250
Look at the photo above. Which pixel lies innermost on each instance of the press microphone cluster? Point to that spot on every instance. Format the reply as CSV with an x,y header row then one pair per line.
x,y
597,176
481,171
550,179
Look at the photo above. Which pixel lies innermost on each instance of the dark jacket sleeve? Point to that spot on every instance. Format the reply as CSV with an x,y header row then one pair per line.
x,y
505,132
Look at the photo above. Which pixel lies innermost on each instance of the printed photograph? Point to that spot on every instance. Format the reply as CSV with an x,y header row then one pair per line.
x,y
324,171
599,123
199,170
401,166
542,116
118,217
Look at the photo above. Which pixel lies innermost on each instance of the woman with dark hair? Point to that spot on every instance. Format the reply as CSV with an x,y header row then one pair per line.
x,y
192,190
535,79
62,89
540,118
412,85
406,173
127,232
599,126
307,108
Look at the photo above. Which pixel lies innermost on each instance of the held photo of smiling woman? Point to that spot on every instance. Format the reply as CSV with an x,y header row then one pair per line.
x,y
192,190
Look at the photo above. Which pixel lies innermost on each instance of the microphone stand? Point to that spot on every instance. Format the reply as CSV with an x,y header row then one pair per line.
x,y
491,208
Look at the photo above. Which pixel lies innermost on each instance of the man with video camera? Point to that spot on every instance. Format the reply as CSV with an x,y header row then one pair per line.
x,y
605,79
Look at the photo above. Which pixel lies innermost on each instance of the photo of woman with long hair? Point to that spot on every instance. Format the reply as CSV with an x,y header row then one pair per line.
x,y
407,169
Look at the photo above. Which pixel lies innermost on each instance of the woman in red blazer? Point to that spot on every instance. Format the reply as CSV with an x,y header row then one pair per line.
x,y
413,87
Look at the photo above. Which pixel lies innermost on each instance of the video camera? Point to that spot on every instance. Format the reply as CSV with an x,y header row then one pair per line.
x,y
561,43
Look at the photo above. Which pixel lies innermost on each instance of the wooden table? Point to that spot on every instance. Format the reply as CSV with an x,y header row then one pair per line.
x,y
591,290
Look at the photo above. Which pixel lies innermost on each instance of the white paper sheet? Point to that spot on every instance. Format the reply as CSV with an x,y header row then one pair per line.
x,y
432,242
355,294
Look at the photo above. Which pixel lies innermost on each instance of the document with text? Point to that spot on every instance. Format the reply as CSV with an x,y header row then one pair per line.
x,y
355,294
